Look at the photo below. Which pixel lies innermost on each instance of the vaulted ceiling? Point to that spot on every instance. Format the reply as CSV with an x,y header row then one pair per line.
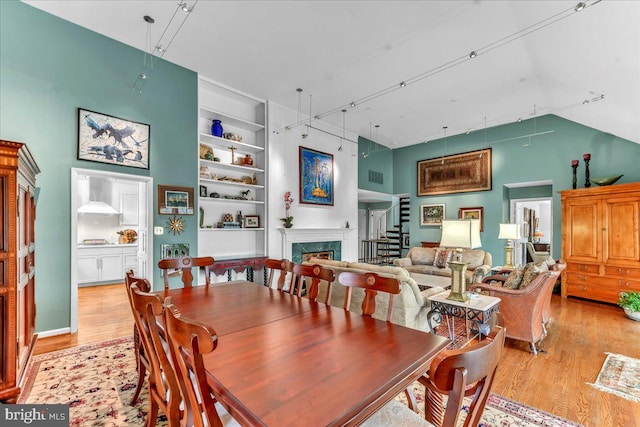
x,y
533,58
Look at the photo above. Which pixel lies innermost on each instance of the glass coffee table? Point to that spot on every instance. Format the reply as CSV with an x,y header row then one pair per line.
x,y
477,311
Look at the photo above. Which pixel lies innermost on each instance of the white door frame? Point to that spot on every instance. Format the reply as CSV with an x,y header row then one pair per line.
x,y
144,235
516,218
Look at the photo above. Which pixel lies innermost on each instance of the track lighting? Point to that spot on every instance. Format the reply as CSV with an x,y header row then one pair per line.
x,y
402,84
580,6
473,54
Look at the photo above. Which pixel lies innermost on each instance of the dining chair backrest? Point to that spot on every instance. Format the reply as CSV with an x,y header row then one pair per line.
x,y
183,266
280,267
467,371
164,391
371,283
188,341
142,361
308,277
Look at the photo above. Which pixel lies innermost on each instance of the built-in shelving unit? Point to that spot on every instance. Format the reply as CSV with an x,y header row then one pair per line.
x,y
228,185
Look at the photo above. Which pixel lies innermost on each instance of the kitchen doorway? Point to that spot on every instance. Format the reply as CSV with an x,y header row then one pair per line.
x,y
111,225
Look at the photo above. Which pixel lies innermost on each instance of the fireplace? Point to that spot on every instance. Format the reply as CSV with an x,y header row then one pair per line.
x,y
302,251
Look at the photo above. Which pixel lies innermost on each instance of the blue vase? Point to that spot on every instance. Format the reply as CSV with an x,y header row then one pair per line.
x,y
216,128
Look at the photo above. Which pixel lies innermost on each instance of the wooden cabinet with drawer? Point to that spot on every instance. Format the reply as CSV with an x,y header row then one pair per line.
x,y
601,241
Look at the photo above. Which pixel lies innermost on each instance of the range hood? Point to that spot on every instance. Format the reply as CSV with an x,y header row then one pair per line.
x,y
100,195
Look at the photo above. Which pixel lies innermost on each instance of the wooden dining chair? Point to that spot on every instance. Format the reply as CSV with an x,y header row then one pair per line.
x,y
279,267
467,371
188,341
164,391
308,277
183,266
142,362
371,283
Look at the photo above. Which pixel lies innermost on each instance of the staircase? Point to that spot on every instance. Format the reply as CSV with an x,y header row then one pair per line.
x,y
393,243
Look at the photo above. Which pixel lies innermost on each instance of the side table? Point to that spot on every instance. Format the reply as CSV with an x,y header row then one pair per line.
x,y
478,310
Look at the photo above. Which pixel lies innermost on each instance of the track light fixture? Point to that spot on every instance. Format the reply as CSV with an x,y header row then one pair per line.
x,y
473,54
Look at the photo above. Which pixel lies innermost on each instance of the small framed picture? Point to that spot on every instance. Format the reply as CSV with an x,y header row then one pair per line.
x,y
175,200
251,221
431,214
203,191
473,213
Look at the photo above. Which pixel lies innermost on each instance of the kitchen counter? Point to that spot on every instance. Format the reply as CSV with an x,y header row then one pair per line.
x,y
108,245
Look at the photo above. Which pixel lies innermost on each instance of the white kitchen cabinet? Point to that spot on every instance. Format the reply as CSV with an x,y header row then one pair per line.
x,y
100,264
130,260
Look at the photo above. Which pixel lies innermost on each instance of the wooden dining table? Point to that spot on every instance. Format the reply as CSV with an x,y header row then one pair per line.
x,y
283,360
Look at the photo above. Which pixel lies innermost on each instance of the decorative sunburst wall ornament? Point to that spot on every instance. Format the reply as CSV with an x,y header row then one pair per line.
x,y
176,224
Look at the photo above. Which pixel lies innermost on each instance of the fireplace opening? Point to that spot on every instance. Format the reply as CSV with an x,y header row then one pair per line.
x,y
319,254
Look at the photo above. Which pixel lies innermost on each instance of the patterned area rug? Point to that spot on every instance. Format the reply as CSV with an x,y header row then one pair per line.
x,y
620,375
97,382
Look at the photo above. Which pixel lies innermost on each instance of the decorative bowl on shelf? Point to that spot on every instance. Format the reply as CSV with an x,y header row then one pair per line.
x,y
606,181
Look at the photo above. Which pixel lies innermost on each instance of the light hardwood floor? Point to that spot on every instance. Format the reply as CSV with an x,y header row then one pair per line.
x,y
556,381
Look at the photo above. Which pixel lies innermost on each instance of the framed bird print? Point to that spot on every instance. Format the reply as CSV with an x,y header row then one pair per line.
x,y
108,139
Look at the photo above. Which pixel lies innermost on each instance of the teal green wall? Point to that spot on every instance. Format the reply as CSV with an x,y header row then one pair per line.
x,y
380,159
50,67
547,157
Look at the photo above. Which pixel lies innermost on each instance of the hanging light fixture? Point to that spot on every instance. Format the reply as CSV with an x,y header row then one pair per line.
x,y
445,144
344,112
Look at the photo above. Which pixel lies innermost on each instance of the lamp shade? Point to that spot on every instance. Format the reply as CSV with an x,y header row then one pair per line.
x,y
509,231
461,233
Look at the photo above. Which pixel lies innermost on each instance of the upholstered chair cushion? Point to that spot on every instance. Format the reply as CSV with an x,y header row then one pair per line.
x,y
395,413
389,269
327,262
422,256
473,257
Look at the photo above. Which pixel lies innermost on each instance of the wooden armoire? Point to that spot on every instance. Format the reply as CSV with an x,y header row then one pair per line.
x,y
601,241
17,265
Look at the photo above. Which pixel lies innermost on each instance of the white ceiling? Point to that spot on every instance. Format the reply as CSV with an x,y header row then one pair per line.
x,y
341,51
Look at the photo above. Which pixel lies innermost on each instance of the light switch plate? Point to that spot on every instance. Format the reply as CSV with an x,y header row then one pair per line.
x,y
158,231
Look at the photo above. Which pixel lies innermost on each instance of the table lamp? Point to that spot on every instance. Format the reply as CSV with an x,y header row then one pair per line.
x,y
460,234
509,232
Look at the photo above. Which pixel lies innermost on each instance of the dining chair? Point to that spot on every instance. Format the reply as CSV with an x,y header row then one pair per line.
x,y
188,341
183,266
164,391
280,267
309,277
467,371
393,413
142,362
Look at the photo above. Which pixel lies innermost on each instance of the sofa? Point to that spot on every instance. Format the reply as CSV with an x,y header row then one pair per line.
x,y
421,263
410,306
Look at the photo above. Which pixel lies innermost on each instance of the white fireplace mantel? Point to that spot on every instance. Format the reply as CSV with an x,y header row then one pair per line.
x,y
303,235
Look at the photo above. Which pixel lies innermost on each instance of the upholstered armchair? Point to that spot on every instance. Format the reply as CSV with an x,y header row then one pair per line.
x,y
527,309
536,256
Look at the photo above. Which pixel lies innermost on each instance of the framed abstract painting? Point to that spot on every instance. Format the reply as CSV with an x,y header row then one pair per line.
x,y
316,177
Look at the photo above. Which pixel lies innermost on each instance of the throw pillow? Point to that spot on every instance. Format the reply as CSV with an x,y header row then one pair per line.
x,y
530,272
442,258
514,279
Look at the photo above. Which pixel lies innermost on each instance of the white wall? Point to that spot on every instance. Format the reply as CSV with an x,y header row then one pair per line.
x,y
283,175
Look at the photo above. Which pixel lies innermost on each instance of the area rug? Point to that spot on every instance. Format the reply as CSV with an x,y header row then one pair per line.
x,y
620,375
97,382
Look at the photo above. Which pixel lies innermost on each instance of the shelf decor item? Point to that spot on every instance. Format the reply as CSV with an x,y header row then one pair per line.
x,y
606,181
216,128
109,139
574,166
287,221
587,158
316,177
251,221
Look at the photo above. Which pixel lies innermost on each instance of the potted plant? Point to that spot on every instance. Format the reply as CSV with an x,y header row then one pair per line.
x,y
287,221
630,302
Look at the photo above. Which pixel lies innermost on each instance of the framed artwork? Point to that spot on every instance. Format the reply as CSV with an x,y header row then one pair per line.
x,y
316,177
175,200
431,214
108,139
203,191
251,221
459,173
473,213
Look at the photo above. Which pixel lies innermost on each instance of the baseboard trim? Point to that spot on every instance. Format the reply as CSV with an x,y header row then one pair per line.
x,y
54,332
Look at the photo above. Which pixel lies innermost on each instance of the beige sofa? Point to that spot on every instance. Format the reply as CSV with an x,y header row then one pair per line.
x,y
419,264
410,306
